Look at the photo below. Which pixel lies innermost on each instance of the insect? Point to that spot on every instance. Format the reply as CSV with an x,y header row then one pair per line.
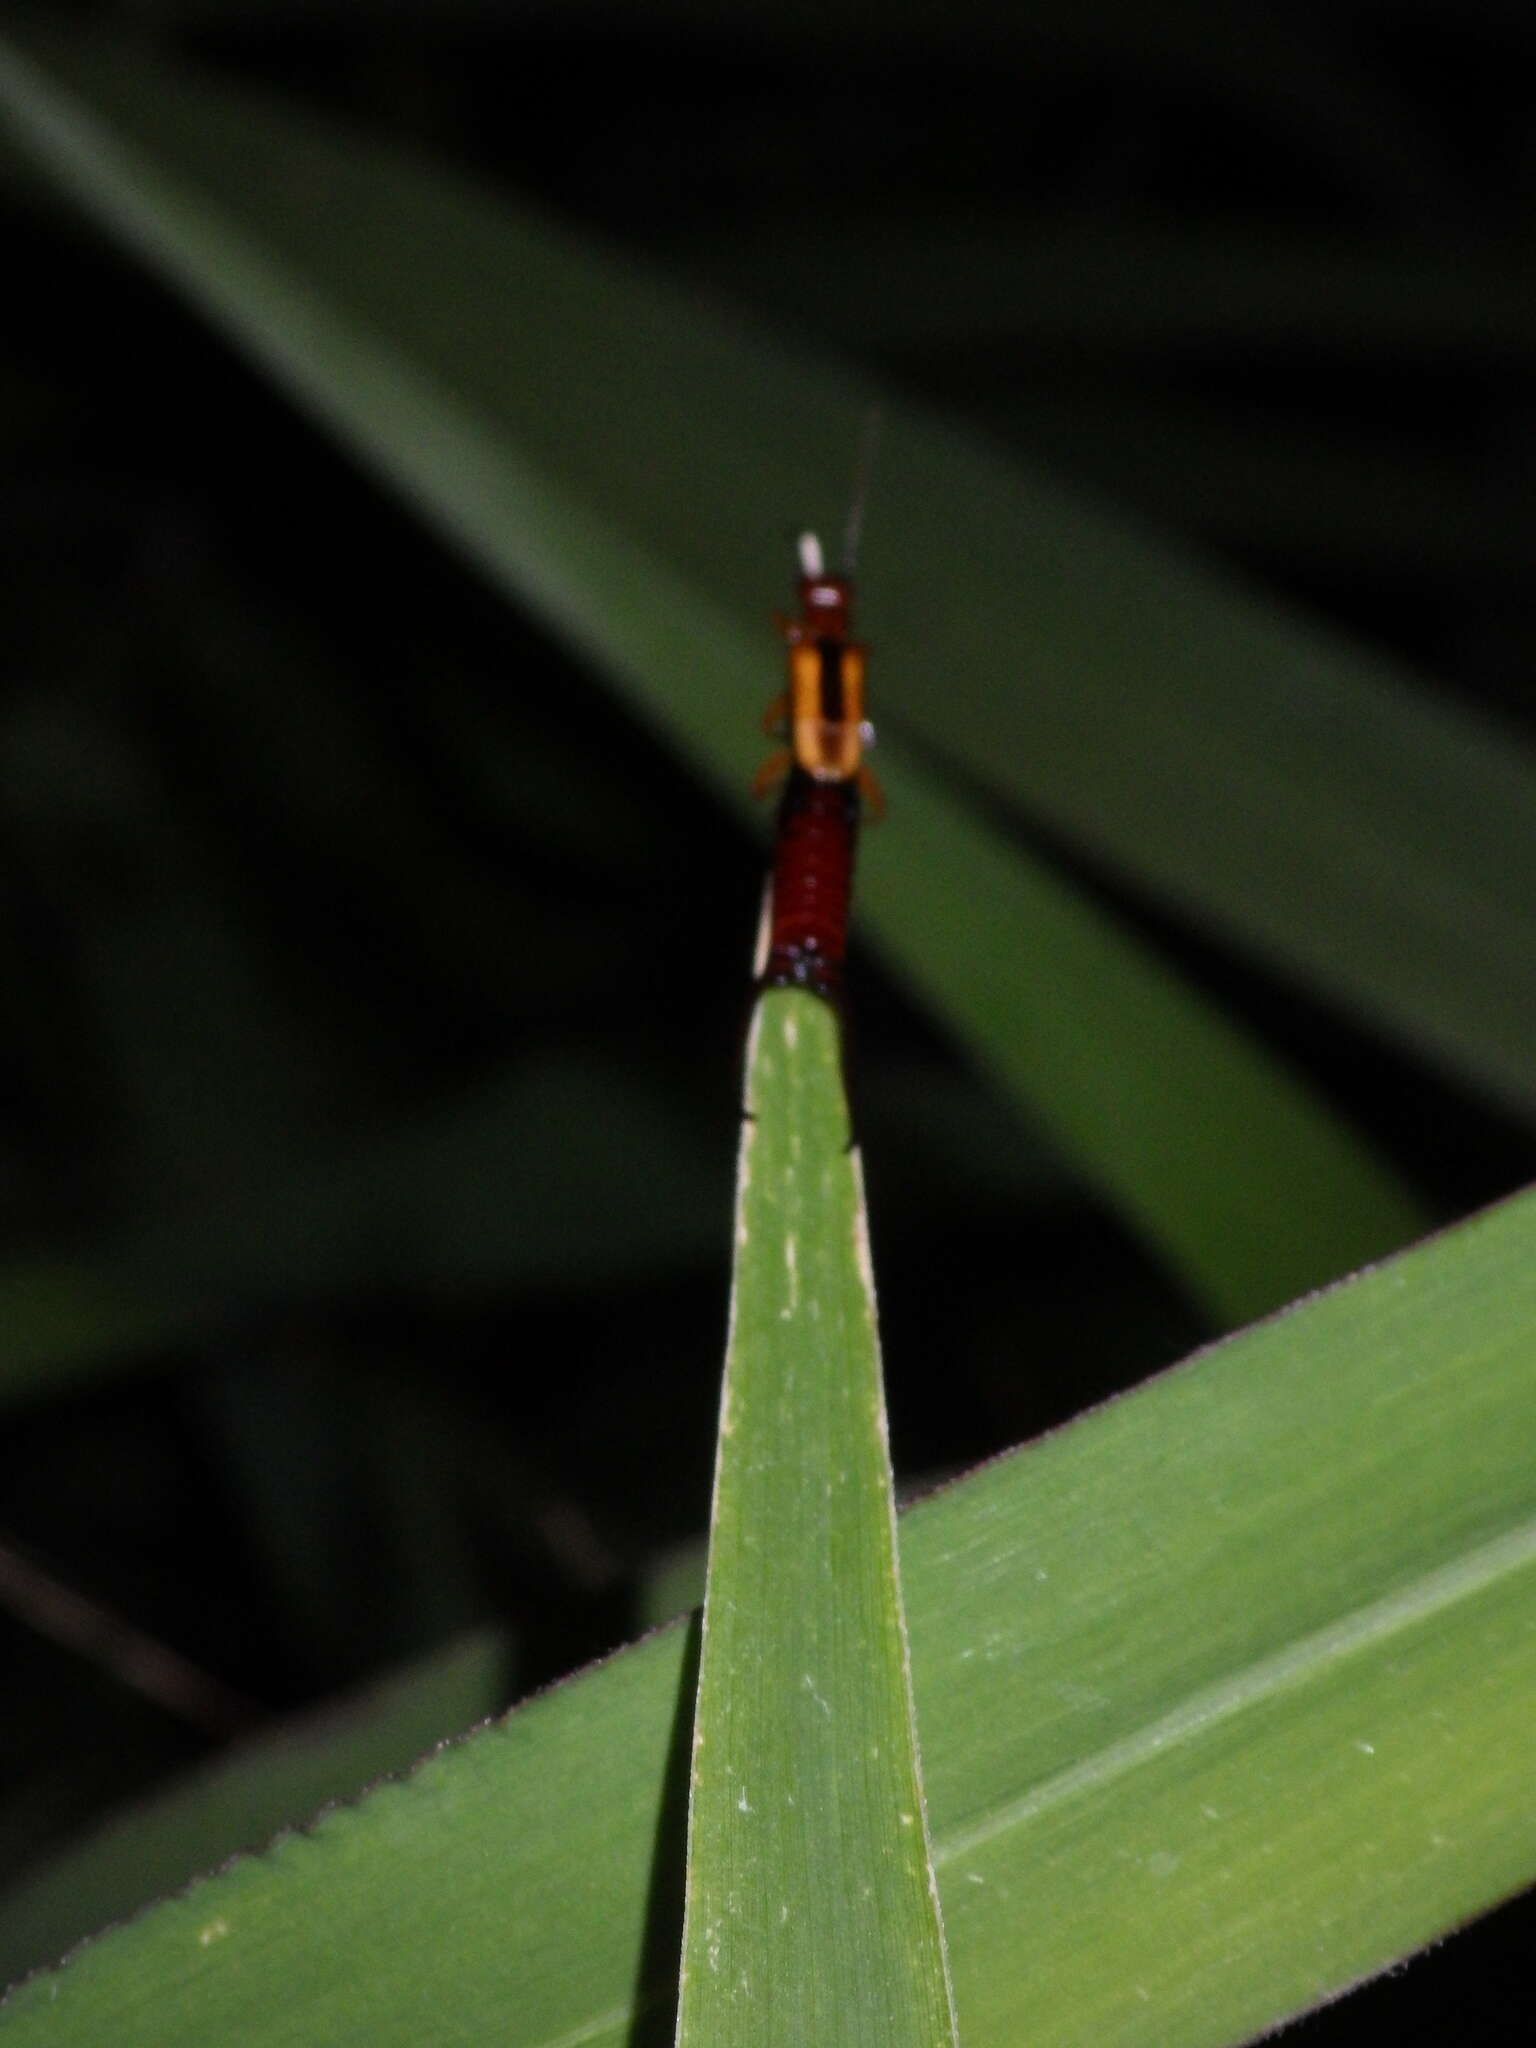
x,y
826,779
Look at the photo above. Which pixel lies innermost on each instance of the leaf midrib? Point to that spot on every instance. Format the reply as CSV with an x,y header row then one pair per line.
x,y
1285,1670
593,2030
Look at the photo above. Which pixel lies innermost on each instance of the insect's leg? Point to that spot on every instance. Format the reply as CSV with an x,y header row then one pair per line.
x,y
772,772
872,794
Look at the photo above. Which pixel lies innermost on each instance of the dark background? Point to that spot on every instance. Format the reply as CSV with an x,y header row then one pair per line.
x,y
363,956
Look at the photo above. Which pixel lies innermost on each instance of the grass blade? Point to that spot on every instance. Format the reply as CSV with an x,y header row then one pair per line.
x,y
812,1913
1224,1694
491,369
243,1799
1240,1177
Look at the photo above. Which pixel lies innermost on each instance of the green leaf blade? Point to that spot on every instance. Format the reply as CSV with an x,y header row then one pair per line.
x,y
242,1800
1234,1899
1206,1594
812,1912
615,456
1244,1181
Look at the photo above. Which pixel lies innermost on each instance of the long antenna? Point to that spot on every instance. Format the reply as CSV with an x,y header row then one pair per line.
x,y
853,533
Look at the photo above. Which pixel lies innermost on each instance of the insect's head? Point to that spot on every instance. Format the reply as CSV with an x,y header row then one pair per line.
x,y
826,599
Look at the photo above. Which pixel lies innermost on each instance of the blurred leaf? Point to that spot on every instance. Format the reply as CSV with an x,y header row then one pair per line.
x,y
1225,1161
811,1911
559,1172
618,458
1224,1692
62,1320
350,802
309,1466
1133,284
673,1584
1338,496
559,1169
217,1072
242,1799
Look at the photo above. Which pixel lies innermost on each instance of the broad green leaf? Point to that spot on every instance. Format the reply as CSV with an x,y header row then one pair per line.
x,y
628,464
241,1800
811,1909
1225,1699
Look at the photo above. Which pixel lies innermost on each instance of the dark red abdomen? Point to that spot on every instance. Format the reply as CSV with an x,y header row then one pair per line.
x,y
812,882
